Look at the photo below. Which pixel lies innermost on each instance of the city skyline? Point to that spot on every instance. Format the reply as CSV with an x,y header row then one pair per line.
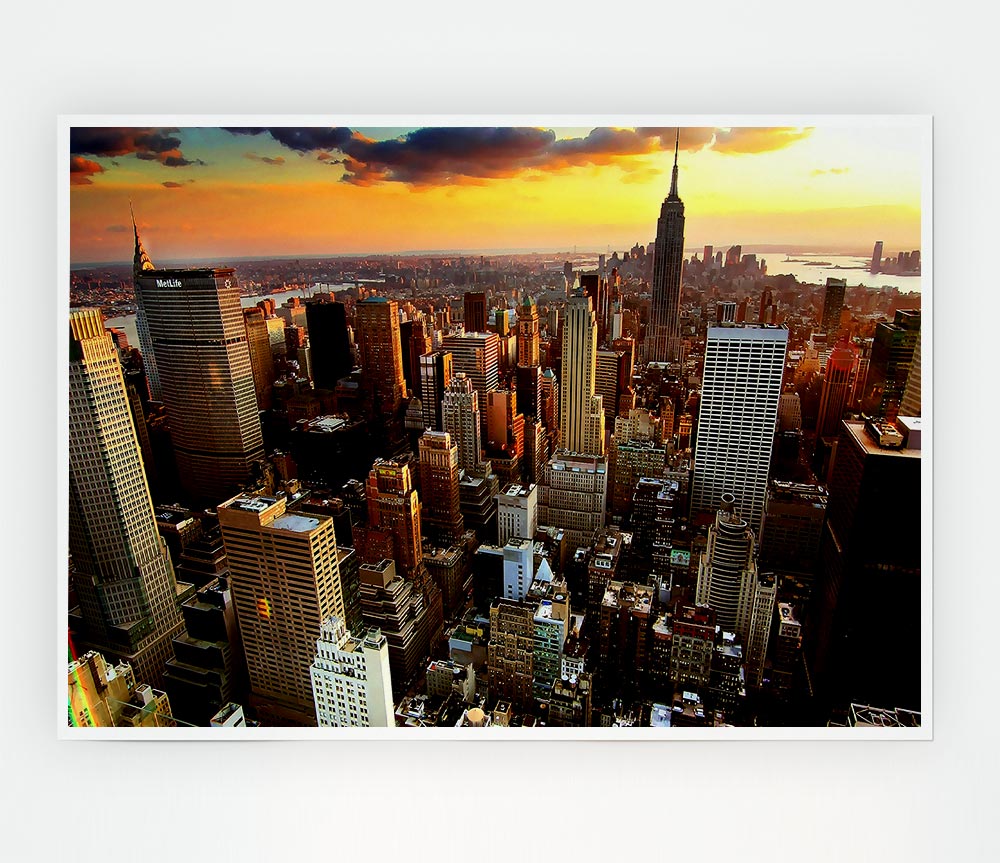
x,y
376,429
211,193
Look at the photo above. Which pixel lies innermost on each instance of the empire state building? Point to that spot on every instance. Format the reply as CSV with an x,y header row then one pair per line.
x,y
663,338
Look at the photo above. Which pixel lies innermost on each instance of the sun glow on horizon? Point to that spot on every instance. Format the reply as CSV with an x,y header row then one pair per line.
x,y
244,195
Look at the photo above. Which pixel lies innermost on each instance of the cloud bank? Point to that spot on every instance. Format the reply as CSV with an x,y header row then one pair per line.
x,y
457,155
430,157
149,145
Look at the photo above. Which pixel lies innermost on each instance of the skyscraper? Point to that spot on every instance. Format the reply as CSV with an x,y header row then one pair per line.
x,y
329,343
889,367
394,507
504,426
662,342
441,516
261,360
736,417
794,515
477,355
511,651
876,264
610,380
209,669
863,632
548,408
595,286
460,418
573,495
833,305
475,312
285,583
836,389
581,412
122,571
393,605
194,343
435,373
725,566
415,341
517,512
527,334
529,390
728,581
351,681
624,627
381,359
910,404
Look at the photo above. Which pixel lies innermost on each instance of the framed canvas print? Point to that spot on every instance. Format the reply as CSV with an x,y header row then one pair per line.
x,y
495,427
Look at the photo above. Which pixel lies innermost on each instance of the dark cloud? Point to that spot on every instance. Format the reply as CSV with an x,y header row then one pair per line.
x,y
81,170
268,160
151,145
170,184
175,159
460,156
301,139
441,156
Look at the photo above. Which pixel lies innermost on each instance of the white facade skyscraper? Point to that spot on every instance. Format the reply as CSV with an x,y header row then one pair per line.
x,y
122,571
351,684
581,412
517,512
741,387
518,568
729,582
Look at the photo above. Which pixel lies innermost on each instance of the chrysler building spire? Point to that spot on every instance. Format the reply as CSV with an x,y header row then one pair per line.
x,y
140,260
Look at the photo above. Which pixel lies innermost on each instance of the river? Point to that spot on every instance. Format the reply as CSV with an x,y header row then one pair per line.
x,y
806,269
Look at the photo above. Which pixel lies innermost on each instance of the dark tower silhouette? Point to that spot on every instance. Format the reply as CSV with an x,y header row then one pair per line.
x,y
662,343
328,342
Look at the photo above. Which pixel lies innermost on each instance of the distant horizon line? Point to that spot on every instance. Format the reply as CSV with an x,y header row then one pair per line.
x,y
798,249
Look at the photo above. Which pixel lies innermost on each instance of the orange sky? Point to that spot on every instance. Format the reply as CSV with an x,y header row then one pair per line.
x,y
210,193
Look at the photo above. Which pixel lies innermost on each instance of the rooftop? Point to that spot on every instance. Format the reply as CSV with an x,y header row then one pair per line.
x,y
517,490
251,503
295,523
775,333
442,555
620,593
326,424
856,429
659,717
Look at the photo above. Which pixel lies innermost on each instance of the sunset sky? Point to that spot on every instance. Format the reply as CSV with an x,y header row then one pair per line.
x,y
214,193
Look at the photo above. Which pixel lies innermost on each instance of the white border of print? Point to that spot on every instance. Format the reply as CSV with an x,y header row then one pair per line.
x,y
921,126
